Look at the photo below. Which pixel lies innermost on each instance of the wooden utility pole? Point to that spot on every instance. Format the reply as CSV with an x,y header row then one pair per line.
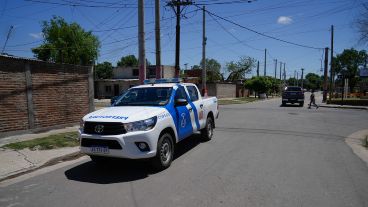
x,y
275,68
302,77
141,40
325,77
284,72
176,4
332,70
280,70
158,39
258,68
204,71
265,63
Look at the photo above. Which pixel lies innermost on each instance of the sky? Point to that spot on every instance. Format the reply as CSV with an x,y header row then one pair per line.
x,y
304,22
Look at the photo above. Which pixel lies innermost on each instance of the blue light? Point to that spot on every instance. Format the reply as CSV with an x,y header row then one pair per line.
x,y
165,80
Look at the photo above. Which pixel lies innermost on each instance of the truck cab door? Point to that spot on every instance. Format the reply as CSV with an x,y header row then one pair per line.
x,y
183,109
198,121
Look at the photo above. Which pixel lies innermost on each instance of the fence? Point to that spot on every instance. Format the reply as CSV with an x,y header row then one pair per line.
x,y
37,95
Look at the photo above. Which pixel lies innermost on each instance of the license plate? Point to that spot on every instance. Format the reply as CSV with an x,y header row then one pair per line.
x,y
293,94
99,149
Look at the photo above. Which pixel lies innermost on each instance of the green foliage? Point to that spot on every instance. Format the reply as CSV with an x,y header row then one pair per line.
x,y
68,139
67,43
213,68
196,67
291,81
348,62
260,84
239,69
128,61
312,81
104,70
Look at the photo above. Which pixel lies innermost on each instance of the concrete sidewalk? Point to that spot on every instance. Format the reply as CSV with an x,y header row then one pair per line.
x,y
342,106
17,162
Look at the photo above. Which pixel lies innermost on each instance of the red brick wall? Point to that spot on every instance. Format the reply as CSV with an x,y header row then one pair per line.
x,y
59,94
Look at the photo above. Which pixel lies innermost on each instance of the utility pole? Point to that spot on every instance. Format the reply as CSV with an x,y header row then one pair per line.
x,y
141,40
265,63
302,77
176,4
275,68
280,70
332,70
294,77
297,78
7,38
258,68
158,39
325,77
284,72
204,72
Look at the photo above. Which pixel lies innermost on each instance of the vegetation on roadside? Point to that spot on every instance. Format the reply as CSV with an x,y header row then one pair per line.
x,y
68,139
237,100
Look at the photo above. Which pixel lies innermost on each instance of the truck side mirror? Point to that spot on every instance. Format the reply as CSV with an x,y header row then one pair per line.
x,y
181,102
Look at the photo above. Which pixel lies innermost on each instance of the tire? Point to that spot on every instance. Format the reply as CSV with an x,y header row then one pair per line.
x,y
207,132
99,160
164,153
301,104
283,103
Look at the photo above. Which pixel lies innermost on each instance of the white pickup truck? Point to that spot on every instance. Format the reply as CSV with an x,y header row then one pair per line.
x,y
147,121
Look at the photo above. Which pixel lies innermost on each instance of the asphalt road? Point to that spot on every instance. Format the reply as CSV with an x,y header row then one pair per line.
x,y
261,155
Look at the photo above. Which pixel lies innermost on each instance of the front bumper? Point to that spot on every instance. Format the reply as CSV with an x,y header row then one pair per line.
x,y
127,142
292,100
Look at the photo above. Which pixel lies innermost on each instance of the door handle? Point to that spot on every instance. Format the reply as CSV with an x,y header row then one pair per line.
x,y
190,109
201,105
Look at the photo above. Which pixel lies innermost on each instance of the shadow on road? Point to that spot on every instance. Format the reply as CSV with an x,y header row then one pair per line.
x,y
123,170
291,105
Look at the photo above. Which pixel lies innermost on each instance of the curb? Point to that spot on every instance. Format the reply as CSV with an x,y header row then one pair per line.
x,y
53,161
344,107
355,142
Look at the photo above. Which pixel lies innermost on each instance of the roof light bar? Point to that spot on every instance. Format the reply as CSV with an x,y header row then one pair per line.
x,y
165,80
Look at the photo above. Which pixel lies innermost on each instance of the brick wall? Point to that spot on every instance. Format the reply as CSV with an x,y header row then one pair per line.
x,y
48,95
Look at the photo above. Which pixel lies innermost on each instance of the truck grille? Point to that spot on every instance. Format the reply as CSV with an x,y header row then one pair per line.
x,y
104,128
111,144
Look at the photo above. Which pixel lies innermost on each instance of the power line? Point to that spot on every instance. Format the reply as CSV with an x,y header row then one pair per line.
x,y
262,34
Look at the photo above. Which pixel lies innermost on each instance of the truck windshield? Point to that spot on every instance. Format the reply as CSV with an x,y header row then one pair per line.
x,y
150,96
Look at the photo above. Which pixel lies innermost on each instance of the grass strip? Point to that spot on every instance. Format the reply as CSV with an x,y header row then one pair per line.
x,y
68,139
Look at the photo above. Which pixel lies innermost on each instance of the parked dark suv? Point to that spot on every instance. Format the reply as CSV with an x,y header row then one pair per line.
x,y
293,94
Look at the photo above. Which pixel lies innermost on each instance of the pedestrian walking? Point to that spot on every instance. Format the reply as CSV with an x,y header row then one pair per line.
x,y
312,100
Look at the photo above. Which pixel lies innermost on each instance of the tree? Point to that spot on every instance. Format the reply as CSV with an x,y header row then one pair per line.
x,y
128,61
238,69
67,43
291,81
104,70
259,84
348,63
362,25
312,81
213,68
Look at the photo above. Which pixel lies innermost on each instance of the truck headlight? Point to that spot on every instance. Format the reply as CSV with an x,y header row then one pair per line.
x,y
143,125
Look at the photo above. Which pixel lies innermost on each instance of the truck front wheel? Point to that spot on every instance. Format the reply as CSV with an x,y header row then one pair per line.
x,y
207,132
164,153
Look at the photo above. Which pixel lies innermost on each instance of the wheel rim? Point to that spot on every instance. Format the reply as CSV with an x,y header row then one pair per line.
x,y
165,151
209,128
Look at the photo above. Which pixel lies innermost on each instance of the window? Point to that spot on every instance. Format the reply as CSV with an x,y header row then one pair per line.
x,y
150,96
135,72
180,93
193,93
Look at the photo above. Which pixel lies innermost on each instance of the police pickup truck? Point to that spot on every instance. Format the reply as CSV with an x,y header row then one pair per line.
x,y
147,121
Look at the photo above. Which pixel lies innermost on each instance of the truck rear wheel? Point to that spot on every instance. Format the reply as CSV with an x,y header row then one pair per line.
x,y
207,132
164,153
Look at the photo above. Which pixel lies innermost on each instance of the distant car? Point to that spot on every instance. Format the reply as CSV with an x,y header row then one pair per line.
x,y
293,94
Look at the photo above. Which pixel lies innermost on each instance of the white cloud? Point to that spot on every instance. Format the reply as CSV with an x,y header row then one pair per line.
x,y
284,20
36,35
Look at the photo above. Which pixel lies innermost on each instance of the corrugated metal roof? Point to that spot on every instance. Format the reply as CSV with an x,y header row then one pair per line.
x,y
20,58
